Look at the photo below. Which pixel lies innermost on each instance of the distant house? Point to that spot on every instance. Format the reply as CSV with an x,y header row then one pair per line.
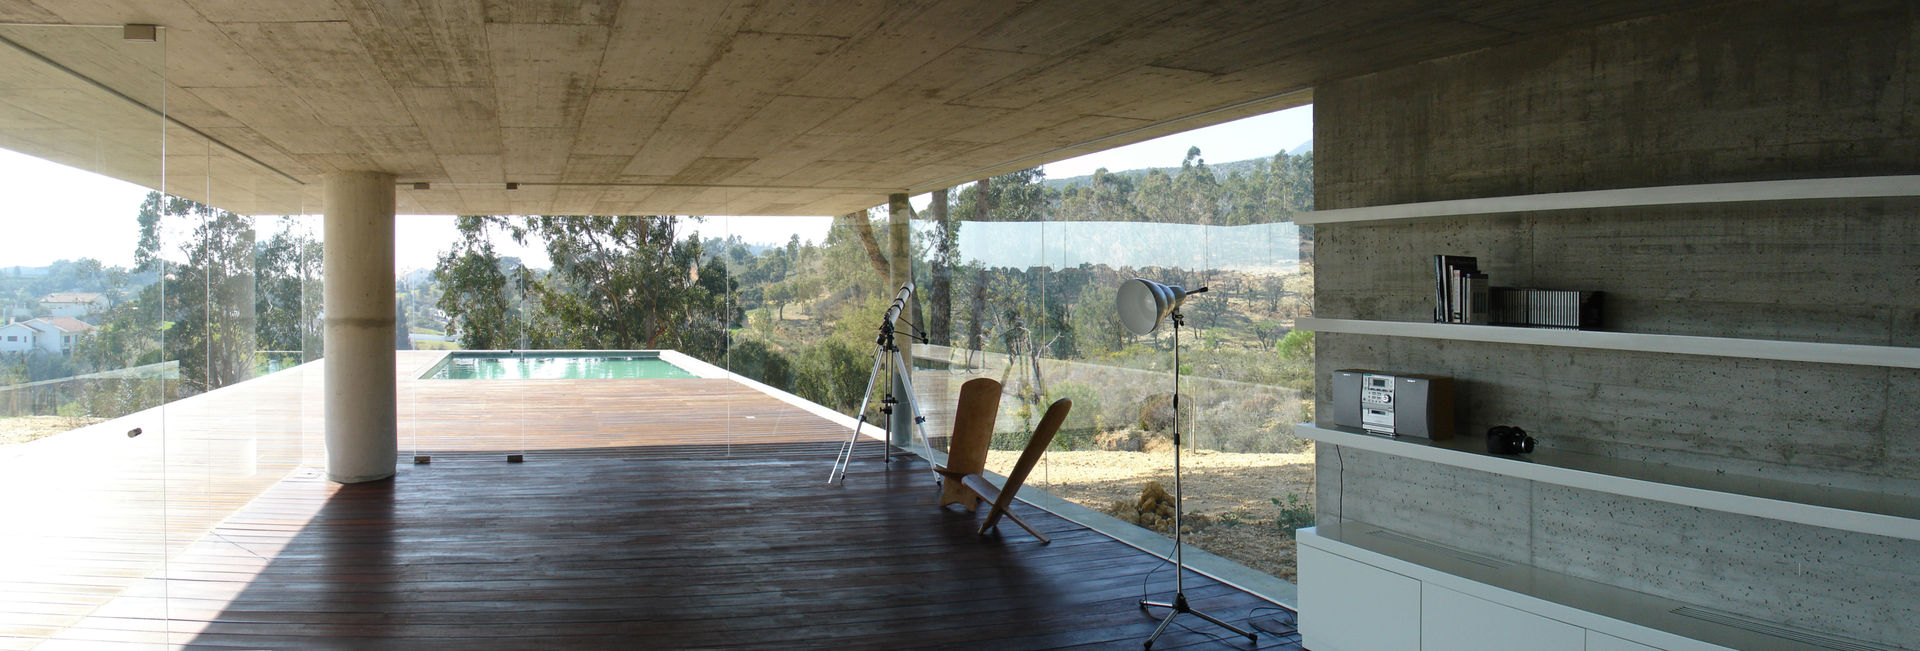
x,y
17,337
57,335
75,304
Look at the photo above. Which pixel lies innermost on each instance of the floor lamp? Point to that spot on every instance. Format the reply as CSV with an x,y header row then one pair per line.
x,y
1143,304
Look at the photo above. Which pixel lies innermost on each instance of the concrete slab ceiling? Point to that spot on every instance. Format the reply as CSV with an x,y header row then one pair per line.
x,y
779,107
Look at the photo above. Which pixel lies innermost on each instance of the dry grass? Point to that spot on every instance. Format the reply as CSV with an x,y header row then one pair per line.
x,y
1234,491
20,429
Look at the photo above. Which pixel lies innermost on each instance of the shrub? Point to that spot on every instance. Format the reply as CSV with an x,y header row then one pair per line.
x,y
755,359
1084,422
1295,513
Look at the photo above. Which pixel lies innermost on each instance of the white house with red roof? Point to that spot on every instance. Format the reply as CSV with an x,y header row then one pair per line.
x,y
75,304
54,334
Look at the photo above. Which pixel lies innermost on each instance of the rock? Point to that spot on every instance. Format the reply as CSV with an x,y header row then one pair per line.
x,y
1154,510
1133,440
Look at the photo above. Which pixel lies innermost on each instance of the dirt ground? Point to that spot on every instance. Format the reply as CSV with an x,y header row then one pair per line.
x,y
1235,491
20,429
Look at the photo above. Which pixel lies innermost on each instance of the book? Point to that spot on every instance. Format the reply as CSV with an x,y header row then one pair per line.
x,y
1478,306
1449,288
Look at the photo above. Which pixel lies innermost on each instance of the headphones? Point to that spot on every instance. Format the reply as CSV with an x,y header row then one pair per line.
x,y
1506,439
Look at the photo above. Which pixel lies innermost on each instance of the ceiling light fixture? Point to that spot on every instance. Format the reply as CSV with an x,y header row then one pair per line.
x,y
138,33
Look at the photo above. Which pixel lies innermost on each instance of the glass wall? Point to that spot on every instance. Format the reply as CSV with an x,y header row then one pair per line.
x,y
83,478
1030,281
242,292
154,336
1016,280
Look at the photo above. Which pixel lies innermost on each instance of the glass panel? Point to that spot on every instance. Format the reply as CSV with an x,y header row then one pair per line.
x,y
1023,293
459,281
238,300
82,441
776,352
1245,378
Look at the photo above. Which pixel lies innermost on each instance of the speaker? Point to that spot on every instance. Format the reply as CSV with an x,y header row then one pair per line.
x,y
1346,397
1423,406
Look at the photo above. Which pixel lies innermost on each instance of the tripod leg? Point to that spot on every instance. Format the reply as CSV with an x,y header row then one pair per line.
x,y
845,458
911,404
1222,624
1163,626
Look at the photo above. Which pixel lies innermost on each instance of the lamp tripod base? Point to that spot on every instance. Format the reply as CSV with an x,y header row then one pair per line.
x,y
1180,606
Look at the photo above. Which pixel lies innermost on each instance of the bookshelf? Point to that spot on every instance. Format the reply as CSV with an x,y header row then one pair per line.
x,y
1791,351
1787,190
1822,506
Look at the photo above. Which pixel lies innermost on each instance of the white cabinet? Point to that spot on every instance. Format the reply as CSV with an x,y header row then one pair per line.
x,y
1454,621
1365,589
1346,605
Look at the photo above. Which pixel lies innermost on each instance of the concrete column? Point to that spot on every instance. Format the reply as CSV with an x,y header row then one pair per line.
x,y
900,268
362,429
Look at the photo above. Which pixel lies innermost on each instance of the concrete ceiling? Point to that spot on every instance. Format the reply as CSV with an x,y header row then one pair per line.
x,y
769,107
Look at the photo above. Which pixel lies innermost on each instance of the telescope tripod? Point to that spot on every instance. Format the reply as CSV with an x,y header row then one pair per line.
x,y
888,361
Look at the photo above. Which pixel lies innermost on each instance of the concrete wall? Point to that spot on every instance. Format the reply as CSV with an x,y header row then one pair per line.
x,y
1739,92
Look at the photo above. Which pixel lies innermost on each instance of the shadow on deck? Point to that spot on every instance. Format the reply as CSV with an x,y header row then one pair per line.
x,y
632,533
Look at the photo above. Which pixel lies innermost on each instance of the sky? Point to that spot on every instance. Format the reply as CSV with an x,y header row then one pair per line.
x,y
46,203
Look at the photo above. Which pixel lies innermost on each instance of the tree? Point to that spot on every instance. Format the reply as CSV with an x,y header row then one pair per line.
x,y
1097,329
617,282
779,295
946,251
208,299
400,339
474,288
288,292
754,359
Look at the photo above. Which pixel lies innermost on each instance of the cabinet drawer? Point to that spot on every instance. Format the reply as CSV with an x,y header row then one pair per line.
x,y
1346,605
1455,621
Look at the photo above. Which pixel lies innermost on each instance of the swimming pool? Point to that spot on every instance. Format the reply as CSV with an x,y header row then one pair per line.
x,y
551,365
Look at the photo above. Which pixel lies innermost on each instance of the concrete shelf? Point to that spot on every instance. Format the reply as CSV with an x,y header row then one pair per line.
x,y
1791,351
1840,188
1821,506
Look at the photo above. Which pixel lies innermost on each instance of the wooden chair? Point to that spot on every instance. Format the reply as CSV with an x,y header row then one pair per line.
x,y
967,449
1002,497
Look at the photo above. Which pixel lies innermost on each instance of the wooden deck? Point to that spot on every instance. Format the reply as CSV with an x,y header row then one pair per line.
x,y
648,514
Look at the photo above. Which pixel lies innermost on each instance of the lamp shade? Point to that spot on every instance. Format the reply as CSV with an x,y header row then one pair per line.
x,y
1143,304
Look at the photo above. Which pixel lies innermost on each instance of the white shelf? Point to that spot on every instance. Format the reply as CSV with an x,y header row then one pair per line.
x,y
1841,188
1820,506
1791,351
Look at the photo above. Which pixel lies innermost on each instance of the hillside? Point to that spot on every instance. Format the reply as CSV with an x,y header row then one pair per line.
x,y
1220,170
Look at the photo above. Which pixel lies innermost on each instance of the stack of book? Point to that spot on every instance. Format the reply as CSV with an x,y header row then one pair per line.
x,y
1461,295
1460,290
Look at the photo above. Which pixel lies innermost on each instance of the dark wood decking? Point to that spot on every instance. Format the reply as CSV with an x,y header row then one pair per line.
x,y
623,534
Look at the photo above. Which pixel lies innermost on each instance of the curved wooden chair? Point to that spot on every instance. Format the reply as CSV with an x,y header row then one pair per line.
x,y
1002,497
967,450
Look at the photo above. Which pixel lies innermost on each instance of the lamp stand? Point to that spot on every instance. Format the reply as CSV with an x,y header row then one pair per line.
x,y
1179,604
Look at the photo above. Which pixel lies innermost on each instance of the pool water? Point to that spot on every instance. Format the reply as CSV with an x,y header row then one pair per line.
x,y
564,366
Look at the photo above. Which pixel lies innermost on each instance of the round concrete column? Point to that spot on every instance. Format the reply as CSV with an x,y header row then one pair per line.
x,y
900,271
362,441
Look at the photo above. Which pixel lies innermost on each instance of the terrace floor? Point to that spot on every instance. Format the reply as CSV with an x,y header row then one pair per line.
x,y
648,514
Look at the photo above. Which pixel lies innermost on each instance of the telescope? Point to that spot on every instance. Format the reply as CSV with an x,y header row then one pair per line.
x,y
887,358
899,304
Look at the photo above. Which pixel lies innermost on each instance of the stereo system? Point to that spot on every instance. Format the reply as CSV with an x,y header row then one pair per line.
x,y
1393,405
